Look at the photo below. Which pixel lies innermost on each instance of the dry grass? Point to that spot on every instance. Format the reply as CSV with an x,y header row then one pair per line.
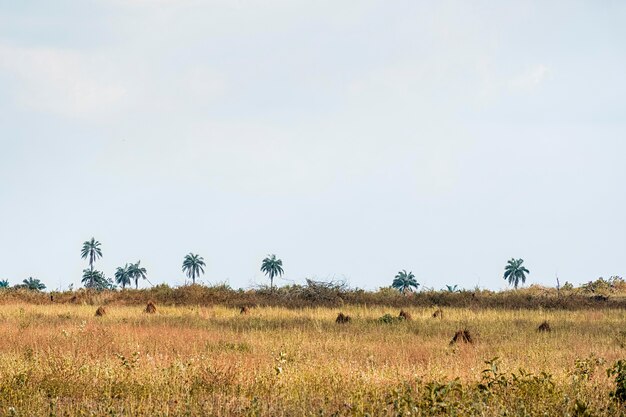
x,y
59,359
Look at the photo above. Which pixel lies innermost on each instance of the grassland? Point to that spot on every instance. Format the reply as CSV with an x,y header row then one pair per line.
x,y
60,359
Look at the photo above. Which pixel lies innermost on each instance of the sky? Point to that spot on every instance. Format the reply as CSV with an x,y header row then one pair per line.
x,y
353,139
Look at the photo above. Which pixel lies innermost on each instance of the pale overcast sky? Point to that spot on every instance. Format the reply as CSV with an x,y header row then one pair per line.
x,y
351,138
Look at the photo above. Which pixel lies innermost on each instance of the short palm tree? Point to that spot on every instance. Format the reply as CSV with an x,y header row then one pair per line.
x,y
122,277
272,267
405,282
135,271
4,283
193,266
94,279
91,250
515,272
33,284
451,288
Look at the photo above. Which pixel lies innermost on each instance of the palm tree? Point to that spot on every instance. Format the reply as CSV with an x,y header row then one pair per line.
x,y
451,288
515,272
405,282
4,283
135,271
91,249
193,265
94,279
33,284
122,276
272,266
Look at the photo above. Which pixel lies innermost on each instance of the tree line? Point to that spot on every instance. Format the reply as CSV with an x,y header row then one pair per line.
x,y
193,266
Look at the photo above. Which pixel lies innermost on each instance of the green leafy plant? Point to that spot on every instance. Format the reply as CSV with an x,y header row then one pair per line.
x,y
272,267
405,282
618,370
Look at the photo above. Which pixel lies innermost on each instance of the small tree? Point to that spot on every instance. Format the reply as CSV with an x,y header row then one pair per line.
x,y
4,284
515,272
135,271
33,284
95,280
193,265
272,266
122,277
405,282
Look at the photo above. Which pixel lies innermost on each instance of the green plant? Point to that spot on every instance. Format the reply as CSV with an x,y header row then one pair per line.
x,y
515,272
91,250
122,276
405,282
33,284
4,283
135,271
272,266
193,265
618,370
96,280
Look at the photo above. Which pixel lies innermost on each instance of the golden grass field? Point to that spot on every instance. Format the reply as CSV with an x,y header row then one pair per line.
x,y
60,359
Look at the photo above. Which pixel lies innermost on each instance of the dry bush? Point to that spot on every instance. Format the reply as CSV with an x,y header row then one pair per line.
x,y
438,314
150,308
244,310
101,311
462,336
342,318
544,327
405,315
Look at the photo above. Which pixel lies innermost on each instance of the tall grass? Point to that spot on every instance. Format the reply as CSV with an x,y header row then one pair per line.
x,y
59,359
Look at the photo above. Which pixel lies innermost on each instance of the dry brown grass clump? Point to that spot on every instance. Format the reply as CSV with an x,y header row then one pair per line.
x,y
101,311
150,308
462,336
74,299
544,327
405,315
438,314
244,310
342,318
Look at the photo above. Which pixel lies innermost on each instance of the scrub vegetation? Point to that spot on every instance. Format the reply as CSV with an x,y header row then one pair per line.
x,y
66,357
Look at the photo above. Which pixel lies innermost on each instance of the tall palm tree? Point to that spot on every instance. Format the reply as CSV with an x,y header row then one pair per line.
x,y
405,282
272,266
33,284
193,265
515,272
122,276
135,271
91,250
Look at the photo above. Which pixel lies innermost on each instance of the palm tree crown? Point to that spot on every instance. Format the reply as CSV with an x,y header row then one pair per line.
x,y
122,276
94,279
135,271
34,284
193,265
515,272
405,282
91,250
272,266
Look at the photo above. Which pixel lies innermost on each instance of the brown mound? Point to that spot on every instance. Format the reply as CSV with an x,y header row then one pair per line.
x,y
101,311
342,318
544,327
244,310
438,313
405,315
74,299
150,308
463,336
